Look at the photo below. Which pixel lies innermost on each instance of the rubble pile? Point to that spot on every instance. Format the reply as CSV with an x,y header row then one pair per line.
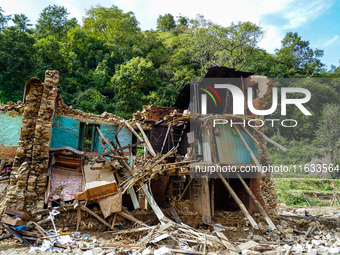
x,y
153,113
296,234
67,111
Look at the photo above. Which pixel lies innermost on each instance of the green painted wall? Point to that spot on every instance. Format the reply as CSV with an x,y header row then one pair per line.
x,y
10,128
65,132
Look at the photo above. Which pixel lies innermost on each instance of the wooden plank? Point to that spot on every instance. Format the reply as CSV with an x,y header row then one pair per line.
x,y
84,208
133,131
257,203
12,222
238,201
187,252
78,218
131,190
165,138
270,140
20,214
147,142
114,221
17,236
152,202
205,200
132,193
225,241
132,230
247,147
97,192
133,219
247,246
288,250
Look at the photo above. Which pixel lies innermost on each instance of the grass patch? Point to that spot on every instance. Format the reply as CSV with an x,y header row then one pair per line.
x,y
288,188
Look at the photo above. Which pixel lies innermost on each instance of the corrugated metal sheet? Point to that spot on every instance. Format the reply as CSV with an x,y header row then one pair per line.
x,y
230,148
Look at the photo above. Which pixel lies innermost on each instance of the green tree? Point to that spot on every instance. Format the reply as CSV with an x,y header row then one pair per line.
x,y
53,21
182,21
3,19
90,100
166,22
112,25
21,22
298,58
213,45
132,83
17,62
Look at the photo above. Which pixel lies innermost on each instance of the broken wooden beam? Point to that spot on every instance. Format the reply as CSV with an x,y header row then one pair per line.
x,y
270,140
84,208
128,216
238,201
121,149
257,203
17,236
185,190
147,142
152,202
19,214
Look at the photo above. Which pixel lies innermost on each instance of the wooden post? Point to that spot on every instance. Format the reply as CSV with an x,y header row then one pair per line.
x,y
114,221
257,203
78,217
238,201
147,142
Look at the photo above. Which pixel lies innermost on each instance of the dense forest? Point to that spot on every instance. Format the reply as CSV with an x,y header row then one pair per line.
x,y
110,64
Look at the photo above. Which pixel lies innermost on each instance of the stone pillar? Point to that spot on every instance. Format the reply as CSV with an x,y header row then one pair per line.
x,y
29,175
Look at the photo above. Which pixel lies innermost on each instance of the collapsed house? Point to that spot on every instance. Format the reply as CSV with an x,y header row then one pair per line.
x,y
52,153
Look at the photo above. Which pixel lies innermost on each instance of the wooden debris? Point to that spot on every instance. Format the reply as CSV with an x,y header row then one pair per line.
x,y
128,216
84,208
19,214
257,203
270,140
12,222
239,202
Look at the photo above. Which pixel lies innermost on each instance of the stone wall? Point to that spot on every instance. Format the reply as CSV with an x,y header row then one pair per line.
x,y
29,174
